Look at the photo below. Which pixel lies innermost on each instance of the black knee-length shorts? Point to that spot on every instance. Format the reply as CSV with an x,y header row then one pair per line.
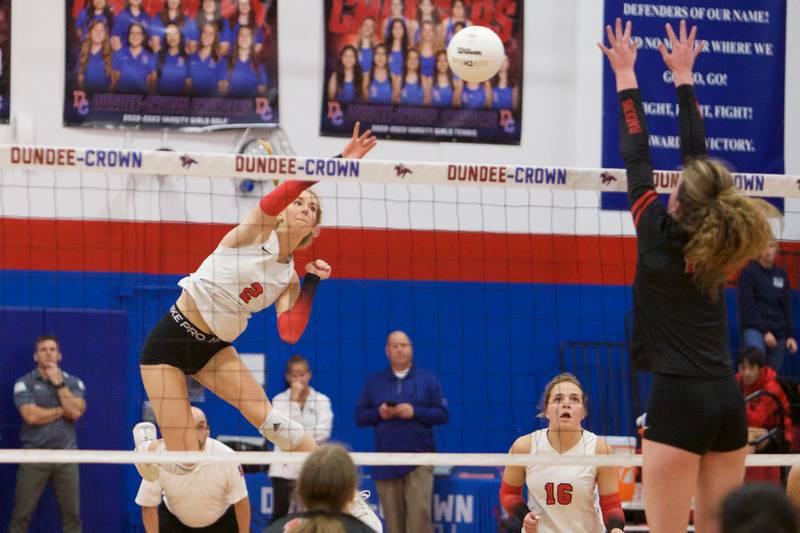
x,y
695,414
177,342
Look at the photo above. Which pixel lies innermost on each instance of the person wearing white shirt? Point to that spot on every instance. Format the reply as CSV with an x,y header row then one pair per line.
x,y
307,406
211,499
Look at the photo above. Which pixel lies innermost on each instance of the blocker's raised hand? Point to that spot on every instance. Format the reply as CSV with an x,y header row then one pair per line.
x,y
359,145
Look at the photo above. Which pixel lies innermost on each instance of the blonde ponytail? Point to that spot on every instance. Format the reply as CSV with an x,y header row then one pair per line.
x,y
726,229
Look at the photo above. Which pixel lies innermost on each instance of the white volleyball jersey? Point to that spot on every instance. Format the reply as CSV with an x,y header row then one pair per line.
x,y
316,416
233,283
201,497
564,495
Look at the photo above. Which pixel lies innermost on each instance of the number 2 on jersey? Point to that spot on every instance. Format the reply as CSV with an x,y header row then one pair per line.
x,y
562,493
253,291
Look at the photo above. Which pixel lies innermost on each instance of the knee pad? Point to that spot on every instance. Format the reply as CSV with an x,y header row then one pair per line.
x,y
282,431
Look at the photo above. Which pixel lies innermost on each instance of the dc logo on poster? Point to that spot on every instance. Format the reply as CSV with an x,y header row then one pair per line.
x,y
507,121
263,109
80,102
335,113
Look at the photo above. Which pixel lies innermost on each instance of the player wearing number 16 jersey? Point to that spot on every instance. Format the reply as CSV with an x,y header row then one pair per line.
x,y
563,497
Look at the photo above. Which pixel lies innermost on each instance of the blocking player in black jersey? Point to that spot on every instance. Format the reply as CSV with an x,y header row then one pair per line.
x,y
694,443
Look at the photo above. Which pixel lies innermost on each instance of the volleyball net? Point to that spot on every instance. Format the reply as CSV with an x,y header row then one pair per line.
x,y
502,276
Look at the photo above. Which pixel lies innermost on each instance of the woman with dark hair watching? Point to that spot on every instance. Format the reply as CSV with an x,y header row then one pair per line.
x,y
93,69
426,12
208,70
309,407
210,12
134,67
427,50
245,16
398,46
94,10
505,91
130,14
326,487
445,91
396,12
379,87
172,13
345,84
457,20
476,95
414,89
247,78
173,66
365,43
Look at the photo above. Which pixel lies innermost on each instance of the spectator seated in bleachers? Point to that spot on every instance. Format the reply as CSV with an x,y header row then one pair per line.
x,y
768,411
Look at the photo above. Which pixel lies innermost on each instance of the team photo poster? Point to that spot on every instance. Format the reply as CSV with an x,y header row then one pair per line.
x,y
386,66
171,63
5,60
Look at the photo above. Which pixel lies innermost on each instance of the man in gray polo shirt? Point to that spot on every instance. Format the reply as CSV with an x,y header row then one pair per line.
x,y
50,401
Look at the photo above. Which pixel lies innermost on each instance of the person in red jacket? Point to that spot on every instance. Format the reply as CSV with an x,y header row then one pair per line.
x,y
763,413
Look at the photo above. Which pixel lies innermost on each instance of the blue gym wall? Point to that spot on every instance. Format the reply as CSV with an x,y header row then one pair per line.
x,y
494,346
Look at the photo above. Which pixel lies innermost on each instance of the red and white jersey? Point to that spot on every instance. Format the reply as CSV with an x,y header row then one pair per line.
x,y
233,283
564,495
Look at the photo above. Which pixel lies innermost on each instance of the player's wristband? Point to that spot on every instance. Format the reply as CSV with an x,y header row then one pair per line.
x,y
60,385
310,282
521,511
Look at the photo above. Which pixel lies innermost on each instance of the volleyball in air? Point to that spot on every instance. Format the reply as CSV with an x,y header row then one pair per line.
x,y
475,53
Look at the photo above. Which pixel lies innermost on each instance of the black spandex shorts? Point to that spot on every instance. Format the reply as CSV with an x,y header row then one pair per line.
x,y
698,415
169,523
177,342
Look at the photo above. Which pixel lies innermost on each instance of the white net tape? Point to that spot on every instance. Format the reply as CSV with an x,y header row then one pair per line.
x,y
140,162
382,459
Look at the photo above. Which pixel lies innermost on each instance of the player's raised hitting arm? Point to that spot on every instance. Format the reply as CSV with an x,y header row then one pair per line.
x,y
262,219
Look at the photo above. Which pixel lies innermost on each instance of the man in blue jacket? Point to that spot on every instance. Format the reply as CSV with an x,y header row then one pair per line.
x,y
765,307
403,402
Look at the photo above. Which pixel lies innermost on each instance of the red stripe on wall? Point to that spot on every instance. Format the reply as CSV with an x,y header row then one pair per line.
x,y
178,248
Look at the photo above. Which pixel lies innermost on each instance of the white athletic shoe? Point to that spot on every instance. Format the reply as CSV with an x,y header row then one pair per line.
x,y
143,434
359,508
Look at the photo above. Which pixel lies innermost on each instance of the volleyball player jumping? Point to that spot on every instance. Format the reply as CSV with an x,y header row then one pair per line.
x,y
694,442
251,269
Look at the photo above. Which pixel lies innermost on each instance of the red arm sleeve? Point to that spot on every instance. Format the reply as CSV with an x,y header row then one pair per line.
x,y
611,507
512,501
292,323
282,195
